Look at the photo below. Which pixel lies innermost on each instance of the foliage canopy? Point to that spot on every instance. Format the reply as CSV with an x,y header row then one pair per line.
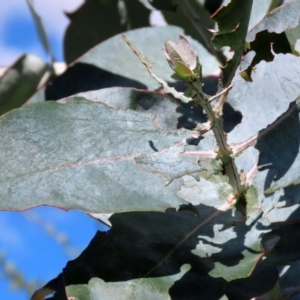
x,y
201,192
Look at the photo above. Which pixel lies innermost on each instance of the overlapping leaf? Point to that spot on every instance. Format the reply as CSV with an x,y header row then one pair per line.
x,y
20,81
81,154
112,63
274,143
278,20
148,288
115,56
96,21
233,21
142,101
274,86
214,242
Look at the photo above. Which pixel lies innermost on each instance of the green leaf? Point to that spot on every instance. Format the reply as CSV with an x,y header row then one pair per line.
x,y
278,80
182,70
20,81
81,155
233,21
225,244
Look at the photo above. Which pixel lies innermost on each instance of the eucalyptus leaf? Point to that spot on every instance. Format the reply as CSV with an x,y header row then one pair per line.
x,y
270,80
233,22
209,241
113,64
95,21
158,104
126,64
147,288
40,30
271,146
20,81
278,20
78,154
289,282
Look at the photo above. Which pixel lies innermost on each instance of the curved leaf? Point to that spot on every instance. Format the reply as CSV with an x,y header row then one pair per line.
x,y
278,20
274,86
96,21
142,101
116,57
40,30
20,81
81,154
214,242
233,21
136,289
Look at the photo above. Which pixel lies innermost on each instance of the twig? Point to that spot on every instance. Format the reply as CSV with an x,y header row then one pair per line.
x,y
148,64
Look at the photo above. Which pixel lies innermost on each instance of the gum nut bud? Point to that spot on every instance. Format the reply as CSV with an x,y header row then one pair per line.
x,y
182,53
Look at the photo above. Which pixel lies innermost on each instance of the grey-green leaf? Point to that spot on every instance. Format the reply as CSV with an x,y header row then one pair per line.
x,y
115,56
278,20
142,101
135,289
81,155
274,86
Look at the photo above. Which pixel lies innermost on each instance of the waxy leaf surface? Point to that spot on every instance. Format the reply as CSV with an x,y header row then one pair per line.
x,y
115,56
278,20
80,154
274,86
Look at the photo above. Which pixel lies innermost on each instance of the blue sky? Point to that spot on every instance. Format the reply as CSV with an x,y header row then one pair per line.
x,y
25,241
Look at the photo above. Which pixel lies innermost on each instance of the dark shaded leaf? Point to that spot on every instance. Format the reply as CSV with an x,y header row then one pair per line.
x,y
289,281
233,21
287,249
261,281
112,63
274,143
96,21
20,81
159,4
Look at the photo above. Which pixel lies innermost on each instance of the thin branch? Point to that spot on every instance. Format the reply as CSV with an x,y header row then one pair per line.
x,y
148,64
224,92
